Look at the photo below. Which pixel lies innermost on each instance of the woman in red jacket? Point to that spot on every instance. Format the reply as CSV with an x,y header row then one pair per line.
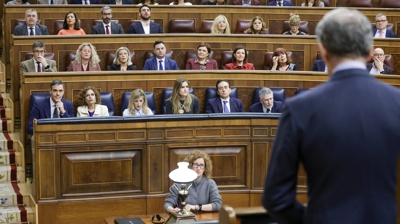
x,y
239,57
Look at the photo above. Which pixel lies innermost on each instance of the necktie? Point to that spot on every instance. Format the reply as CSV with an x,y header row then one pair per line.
x,y
268,110
55,112
161,67
107,30
279,3
38,67
31,33
86,2
380,33
51,2
226,110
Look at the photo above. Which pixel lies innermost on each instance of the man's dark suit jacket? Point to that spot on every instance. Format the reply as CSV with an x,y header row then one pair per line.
x,y
115,29
258,107
137,28
115,67
215,106
253,2
386,69
285,3
151,64
319,66
349,149
22,30
389,33
124,2
42,110
79,2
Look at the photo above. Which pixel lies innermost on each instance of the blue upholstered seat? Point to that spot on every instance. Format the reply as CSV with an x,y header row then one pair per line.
x,y
107,99
151,102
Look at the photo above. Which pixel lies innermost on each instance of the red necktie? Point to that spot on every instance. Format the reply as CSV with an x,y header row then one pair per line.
x,y
38,67
107,30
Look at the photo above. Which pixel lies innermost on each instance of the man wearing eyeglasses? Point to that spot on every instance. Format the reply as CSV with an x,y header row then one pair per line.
x,y
107,27
38,63
381,30
378,66
31,26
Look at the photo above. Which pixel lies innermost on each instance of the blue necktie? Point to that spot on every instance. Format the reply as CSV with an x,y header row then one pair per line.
x,y
161,67
31,33
226,110
279,3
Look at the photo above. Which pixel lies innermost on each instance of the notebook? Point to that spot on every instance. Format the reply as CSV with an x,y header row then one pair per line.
x,y
128,221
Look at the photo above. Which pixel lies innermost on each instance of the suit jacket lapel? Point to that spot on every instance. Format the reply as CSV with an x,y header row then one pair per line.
x,y
37,30
31,65
166,63
140,27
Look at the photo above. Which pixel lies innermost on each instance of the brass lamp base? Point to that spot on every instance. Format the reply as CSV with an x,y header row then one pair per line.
x,y
176,217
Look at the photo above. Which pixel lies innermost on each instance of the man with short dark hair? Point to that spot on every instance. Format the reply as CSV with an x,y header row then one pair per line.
x,y
145,26
52,2
54,106
344,132
30,27
279,3
378,66
159,61
381,30
223,103
267,103
107,27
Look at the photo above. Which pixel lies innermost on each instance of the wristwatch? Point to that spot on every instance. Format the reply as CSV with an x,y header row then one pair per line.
x,y
47,67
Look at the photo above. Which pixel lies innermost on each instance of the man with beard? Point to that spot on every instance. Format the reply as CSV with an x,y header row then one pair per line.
x,y
145,26
107,27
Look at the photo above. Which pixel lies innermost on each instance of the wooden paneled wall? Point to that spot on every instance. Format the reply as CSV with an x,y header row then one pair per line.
x,y
121,168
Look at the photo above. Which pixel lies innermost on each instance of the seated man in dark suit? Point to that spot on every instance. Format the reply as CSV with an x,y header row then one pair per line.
x,y
267,104
160,62
30,27
118,2
84,2
107,27
246,2
381,30
319,66
378,66
52,2
223,103
280,3
53,107
145,26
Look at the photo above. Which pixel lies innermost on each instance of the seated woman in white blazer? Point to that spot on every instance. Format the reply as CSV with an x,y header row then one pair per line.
x,y
90,100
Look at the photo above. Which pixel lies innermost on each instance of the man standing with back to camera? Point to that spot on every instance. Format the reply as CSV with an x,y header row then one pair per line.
x,y
346,133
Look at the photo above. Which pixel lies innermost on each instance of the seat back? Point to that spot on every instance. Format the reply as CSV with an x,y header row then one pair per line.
x,y
107,99
279,95
151,102
390,4
389,61
193,54
268,59
19,22
242,25
166,94
58,25
111,55
99,21
360,3
301,90
47,55
206,26
303,26
70,56
390,26
181,26
37,97
212,93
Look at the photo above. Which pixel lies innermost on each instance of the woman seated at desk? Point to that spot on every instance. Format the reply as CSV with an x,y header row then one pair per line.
x,y
220,25
202,61
86,59
294,23
71,25
281,61
239,57
18,2
257,26
137,104
90,100
122,60
203,195
181,101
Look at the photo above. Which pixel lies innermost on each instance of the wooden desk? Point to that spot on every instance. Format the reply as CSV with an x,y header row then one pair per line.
x,y
205,216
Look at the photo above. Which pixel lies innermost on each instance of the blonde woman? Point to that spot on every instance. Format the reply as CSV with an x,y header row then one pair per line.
x,y
220,25
86,59
181,101
90,103
137,104
122,60
294,23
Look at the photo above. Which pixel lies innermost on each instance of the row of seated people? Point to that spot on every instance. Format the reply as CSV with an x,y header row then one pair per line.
x,y
220,25
177,100
308,3
86,59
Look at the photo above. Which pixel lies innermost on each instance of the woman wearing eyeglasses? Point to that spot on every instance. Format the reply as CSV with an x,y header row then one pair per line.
x,y
203,195
89,101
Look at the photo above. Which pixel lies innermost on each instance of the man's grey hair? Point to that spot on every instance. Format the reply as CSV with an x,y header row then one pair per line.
x,y
105,8
30,10
265,91
379,15
345,33
38,44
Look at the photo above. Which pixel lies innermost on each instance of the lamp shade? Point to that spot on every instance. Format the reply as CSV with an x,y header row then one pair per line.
x,y
183,174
